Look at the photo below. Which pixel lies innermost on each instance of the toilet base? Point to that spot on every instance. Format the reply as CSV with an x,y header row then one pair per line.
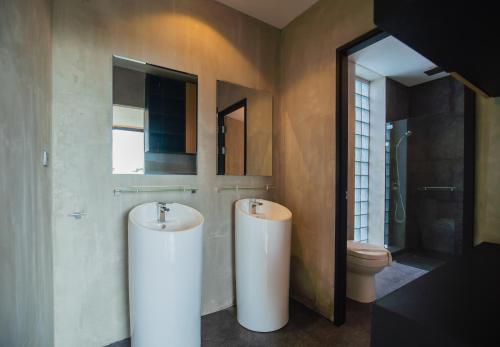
x,y
361,288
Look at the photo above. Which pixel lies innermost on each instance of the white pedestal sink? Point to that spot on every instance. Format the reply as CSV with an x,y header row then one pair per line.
x,y
165,274
263,241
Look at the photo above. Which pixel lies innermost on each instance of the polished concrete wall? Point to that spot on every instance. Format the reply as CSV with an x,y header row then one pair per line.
x,y
487,223
376,197
90,255
26,310
306,160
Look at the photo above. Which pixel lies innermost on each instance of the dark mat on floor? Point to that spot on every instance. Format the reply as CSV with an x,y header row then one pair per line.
x,y
394,277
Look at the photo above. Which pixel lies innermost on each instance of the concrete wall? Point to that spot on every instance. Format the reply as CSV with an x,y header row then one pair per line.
x,y
376,197
26,313
487,224
90,255
306,160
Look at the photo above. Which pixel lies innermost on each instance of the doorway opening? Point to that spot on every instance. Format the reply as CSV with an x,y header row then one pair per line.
x,y
405,174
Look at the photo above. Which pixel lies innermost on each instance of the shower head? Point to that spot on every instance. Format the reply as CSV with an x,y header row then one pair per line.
x,y
405,135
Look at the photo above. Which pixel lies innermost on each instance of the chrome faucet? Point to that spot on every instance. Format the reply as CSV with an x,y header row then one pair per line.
x,y
253,205
162,212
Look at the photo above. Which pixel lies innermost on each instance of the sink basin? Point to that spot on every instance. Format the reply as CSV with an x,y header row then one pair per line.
x,y
263,241
165,274
179,218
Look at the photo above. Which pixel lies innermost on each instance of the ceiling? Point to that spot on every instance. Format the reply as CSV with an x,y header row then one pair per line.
x,y
277,13
459,36
238,114
391,58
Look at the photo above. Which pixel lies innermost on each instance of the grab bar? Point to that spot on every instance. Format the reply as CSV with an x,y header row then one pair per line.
x,y
426,189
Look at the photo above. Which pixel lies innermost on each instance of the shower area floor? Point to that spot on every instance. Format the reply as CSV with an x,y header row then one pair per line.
x,y
421,259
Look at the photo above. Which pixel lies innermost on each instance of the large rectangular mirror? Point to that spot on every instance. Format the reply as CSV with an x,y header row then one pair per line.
x,y
245,131
154,119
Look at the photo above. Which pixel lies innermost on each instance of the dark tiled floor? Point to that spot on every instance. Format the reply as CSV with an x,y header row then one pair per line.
x,y
305,328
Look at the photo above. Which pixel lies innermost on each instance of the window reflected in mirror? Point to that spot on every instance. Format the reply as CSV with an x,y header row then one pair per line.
x,y
154,119
244,136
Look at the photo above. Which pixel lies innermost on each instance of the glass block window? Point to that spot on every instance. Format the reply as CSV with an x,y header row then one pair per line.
x,y
388,130
362,156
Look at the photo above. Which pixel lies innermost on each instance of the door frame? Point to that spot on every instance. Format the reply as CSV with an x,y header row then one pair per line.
x,y
342,164
221,136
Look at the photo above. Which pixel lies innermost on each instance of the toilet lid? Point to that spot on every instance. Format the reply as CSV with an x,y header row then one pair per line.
x,y
367,251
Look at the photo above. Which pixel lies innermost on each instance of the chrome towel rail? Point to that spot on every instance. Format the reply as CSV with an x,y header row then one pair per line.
x,y
447,189
237,188
154,189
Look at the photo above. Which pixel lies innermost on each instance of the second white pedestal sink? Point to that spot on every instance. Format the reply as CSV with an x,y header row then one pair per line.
x,y
263,241
165,244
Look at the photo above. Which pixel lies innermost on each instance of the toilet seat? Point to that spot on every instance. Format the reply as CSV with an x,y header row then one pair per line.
x,y
367,253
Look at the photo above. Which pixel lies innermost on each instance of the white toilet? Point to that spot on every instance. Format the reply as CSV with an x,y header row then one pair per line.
x,y
363,262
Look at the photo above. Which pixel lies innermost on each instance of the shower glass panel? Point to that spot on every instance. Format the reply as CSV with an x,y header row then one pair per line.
x,y
424,183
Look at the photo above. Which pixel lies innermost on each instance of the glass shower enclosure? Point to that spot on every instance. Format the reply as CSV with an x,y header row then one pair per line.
x,y
425,172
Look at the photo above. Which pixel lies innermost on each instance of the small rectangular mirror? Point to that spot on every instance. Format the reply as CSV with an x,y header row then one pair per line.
x,y
244,131
154,119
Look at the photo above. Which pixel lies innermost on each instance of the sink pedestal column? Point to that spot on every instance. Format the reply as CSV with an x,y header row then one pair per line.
x,y
263,242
